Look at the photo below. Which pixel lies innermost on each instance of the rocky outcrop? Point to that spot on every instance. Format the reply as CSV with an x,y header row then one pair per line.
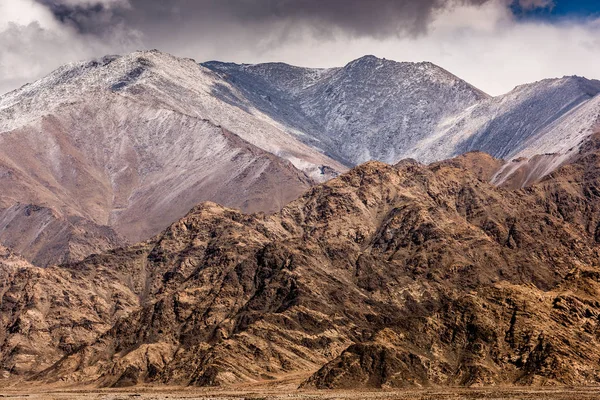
x,y
387,276
45,237
47,313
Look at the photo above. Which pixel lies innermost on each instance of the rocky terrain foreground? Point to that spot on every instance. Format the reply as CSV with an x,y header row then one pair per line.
x,y
386,277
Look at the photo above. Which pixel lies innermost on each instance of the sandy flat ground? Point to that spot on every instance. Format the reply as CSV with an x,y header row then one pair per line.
x,y
563,393
286,387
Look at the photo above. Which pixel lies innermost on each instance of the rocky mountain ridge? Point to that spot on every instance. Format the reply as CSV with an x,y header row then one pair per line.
x,y
371,109
129,144
377,109
113,150
387,276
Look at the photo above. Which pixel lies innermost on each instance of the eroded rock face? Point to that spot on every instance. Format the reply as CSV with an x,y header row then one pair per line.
x,y
47,313
386,276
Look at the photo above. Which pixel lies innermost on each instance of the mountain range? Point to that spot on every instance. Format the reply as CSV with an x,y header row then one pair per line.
x,y
103,153
386,276
377,225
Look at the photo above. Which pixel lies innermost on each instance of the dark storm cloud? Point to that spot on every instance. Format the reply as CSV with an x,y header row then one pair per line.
x,y
88,17
156,18
356,17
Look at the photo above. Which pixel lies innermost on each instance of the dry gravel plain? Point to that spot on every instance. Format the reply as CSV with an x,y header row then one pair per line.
x,y
285,392
285,387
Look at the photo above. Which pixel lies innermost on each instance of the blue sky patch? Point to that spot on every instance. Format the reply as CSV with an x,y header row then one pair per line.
x,y
562,9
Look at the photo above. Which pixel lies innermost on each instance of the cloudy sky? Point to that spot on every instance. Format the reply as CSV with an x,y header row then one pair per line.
x,y
493,44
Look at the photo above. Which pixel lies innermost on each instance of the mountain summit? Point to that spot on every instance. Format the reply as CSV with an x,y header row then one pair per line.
x,y
110,151
371,109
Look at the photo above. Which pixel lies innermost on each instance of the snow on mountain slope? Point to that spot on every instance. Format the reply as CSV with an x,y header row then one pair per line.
x,y
566,133
377,109
134,143
549,116
274,89
384,110
159,80
370,109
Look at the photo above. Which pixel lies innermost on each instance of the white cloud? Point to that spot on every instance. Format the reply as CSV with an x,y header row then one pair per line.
x,y
33,43
24,12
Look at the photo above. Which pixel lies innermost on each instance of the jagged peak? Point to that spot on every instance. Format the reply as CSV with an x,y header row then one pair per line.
x,y
419,70
284,76
270,69
101,70
114,73
371,60
590,87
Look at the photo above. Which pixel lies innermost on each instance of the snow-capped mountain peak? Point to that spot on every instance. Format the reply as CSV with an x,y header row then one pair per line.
x,y
159,80
371,108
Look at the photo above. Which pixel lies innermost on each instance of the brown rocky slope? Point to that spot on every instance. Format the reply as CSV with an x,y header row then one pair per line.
x,y
383,277
115,150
